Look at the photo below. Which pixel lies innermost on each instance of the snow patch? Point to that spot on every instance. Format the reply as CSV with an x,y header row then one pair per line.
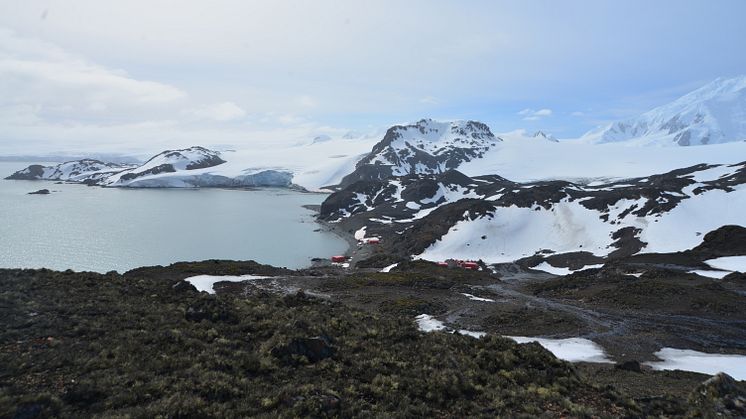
x,y
729,263
360,233
389,268
546,267
475,298
689,360
710,274
428,323
205,282
571,349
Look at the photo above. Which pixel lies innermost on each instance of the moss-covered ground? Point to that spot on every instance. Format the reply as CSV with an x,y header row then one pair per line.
x,y
146,344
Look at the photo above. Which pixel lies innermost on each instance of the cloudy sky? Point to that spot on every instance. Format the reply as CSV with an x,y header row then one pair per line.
x,y
138,76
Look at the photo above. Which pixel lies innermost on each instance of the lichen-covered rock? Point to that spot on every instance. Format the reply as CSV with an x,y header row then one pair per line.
x,y
720,396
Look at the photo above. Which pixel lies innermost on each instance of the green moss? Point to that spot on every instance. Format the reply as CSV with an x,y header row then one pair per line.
x,y
116,346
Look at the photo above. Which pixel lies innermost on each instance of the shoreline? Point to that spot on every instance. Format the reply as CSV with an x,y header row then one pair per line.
x,y
352,244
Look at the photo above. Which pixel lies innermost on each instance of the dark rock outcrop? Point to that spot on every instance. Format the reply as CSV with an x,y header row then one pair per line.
x,y
314,349
727,240
630,365
40,192
33,172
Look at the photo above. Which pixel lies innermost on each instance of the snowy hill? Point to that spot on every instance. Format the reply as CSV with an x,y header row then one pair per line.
x,y
425,147
451,215
170,161
73,171
712,114
189,167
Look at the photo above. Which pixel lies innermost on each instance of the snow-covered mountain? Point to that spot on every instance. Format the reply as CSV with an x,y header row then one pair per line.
x,y
451,215
189,167
541,135
712,114
72,171
425,147
170,161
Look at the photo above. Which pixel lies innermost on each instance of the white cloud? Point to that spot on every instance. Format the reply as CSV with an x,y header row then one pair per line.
x,y
578,113
290,119
533,115
429,100
332,62
306,101
53,85
223,112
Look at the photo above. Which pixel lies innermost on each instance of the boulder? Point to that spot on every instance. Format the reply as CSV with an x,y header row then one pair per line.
x,y
314,349
630,365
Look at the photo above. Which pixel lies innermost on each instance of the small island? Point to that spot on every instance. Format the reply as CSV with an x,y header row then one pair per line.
x,y
40,192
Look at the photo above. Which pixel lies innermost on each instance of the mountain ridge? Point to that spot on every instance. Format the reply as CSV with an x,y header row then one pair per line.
x,y
712,114
188,167
424,147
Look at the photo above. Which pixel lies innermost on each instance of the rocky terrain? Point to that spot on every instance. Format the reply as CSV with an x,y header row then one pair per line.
x,y
146,343
450,215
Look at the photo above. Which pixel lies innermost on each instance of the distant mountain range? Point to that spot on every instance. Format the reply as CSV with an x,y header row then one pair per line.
x,y
712,114
186,168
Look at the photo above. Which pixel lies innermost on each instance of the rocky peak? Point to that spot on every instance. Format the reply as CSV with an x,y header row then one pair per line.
x,y
424,147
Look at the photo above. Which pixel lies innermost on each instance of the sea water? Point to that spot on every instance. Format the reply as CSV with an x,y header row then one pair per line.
x,y
102,229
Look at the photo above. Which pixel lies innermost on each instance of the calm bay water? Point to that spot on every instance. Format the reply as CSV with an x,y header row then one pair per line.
x,y
102,229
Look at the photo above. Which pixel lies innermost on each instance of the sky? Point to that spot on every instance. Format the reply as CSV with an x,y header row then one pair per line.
x,y
139,76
